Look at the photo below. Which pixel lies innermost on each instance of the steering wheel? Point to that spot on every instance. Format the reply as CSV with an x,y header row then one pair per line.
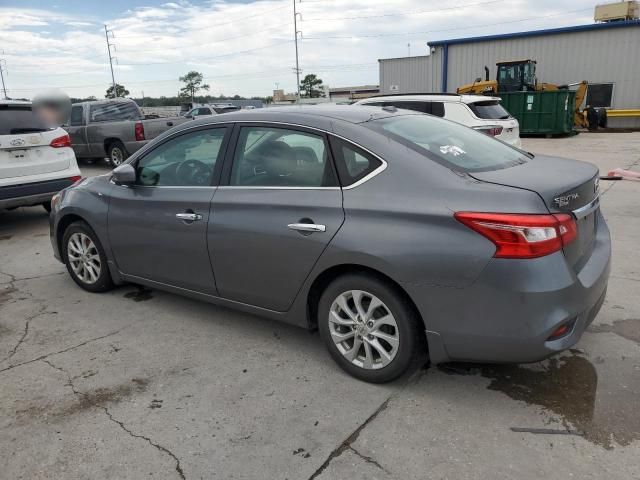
x,y
194,172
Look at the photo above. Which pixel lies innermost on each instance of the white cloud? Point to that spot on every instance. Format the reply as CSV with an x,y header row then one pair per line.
x,y
246,48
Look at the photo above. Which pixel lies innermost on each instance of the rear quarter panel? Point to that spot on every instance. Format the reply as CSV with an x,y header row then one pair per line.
x,y
401,222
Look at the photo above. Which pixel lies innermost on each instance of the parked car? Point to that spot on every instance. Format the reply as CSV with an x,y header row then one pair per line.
x,y
225,108
201,111
36,160
113,128
392,232
479,112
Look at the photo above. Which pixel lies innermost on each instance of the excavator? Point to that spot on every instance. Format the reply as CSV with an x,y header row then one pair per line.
x,y
520,76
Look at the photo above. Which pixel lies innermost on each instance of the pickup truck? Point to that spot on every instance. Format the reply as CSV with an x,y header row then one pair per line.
x,y
113,128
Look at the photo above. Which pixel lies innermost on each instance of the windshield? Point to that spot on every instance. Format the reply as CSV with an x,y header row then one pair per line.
x,y
489,110
16,119
449,143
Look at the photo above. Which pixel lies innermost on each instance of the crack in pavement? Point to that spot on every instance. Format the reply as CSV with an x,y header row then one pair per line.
x,y
369,460
68,349
13,278
42,310
118,422
347,443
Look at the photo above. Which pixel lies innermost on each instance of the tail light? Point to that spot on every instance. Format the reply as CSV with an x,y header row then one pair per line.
x,y
64,141
522,236
75,179
491,130
139,130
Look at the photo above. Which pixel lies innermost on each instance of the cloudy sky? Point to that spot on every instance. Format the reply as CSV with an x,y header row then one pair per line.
x,y
242,47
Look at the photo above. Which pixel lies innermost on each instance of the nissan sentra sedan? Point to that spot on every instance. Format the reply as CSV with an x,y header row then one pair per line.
x,y
396,234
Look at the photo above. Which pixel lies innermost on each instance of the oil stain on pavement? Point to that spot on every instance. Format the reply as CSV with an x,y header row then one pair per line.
x,y
140,295
568,387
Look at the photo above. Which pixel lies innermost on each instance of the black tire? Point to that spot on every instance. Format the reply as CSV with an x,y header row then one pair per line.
x,y
117,153
411,343
47,206
104,281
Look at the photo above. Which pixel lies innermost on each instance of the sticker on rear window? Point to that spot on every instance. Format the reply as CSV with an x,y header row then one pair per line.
x,y
452,149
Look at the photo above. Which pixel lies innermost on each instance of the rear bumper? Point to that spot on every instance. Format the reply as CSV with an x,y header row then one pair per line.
x,y
31,193
513,308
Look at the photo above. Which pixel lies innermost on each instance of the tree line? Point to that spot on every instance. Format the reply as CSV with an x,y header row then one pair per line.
x,y
310,87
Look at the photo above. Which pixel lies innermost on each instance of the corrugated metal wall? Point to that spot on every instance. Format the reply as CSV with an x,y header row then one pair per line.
x,y
408,75
600,56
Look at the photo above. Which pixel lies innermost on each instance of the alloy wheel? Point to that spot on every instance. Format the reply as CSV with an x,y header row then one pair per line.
x,y
116,156
363,329
84,258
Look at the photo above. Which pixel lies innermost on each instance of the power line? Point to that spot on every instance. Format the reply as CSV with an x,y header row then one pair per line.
x,y
210,58
247,75
201,43
466,27
211,25
402,14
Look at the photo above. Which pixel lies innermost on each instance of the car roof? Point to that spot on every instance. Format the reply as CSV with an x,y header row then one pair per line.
x,y
106,100
310,115
14,102
439,97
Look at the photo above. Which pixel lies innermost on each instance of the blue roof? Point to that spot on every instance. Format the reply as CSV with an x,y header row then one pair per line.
x,y
537,33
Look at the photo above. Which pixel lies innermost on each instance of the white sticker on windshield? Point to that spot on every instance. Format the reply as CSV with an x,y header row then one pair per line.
x,y
452,149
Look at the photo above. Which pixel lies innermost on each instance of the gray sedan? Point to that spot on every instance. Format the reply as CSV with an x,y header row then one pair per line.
x,y
396,234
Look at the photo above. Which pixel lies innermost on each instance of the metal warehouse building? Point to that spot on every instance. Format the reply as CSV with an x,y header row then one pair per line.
x,y
607,55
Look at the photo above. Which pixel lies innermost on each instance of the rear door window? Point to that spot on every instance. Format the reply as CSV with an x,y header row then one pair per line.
x,y
490,110
278,157
352,163
17,119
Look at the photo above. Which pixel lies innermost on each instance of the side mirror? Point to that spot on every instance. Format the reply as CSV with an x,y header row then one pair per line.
x,y
478,79
124,174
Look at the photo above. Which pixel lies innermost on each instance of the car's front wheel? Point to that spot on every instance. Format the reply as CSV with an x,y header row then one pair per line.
x,y
85,258
369,328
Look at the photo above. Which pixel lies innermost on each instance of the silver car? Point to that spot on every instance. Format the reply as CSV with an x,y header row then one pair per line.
x,y
395,234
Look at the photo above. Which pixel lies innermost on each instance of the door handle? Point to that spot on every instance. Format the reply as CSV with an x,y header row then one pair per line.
x,y
189,217
169,124
307,227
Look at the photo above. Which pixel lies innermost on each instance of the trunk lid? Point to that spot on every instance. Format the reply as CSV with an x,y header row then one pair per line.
x,y
565,186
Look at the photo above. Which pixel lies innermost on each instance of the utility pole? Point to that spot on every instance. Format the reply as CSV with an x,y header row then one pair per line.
x,y
295,29
109,45
3,68
409,48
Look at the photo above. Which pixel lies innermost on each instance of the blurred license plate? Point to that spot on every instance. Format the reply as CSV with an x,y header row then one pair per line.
x,y
587,231
18,154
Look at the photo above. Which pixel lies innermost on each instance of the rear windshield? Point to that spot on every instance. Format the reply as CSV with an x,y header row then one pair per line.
x,y
490,109
114,111
16,119
454,145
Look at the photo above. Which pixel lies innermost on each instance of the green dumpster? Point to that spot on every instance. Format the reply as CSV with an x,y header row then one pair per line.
x,y
548,112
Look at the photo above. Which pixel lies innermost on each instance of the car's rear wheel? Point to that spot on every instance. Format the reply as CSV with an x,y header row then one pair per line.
x,y
117,153
369,328
85,258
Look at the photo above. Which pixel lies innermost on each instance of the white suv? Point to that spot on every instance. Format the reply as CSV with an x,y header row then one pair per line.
x,y
36,161
479,112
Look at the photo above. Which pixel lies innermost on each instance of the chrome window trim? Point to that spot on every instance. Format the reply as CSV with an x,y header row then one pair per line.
x,y
587,209
377,171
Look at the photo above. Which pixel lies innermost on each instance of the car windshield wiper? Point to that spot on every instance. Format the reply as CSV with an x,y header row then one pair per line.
x,y
15,131
504,117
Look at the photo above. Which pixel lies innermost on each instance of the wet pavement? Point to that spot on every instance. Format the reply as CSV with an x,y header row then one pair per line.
x,y
139,383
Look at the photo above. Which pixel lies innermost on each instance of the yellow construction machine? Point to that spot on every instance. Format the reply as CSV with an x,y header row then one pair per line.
x,y
520,76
